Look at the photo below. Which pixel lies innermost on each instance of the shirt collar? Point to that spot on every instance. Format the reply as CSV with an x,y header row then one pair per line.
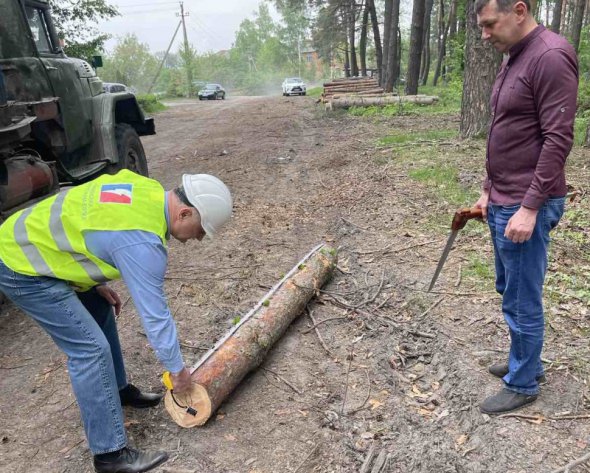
x,y
523,43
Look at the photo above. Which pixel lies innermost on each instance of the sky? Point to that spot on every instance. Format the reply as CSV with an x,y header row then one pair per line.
x,y
210,25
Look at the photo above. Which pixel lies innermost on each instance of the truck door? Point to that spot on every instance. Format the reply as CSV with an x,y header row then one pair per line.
x,y
67,78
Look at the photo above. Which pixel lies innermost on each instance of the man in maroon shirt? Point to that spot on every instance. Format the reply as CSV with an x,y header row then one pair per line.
x,y
533,105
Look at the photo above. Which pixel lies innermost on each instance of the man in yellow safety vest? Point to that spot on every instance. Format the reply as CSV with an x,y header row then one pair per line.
x,y
55,260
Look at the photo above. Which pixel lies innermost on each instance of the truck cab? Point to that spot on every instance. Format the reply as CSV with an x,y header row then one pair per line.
x,y
57,126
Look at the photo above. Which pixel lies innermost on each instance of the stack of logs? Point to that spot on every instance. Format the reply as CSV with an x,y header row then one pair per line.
x,y
364,92
354,85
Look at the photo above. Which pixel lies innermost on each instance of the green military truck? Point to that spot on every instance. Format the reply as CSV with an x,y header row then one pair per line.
x,y
57,126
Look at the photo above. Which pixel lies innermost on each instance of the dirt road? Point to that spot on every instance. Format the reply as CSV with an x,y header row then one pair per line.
x,y
402,371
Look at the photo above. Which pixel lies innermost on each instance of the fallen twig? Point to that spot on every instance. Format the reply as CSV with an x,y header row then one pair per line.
x,y
354,411
353,224
577,461
298,391
320,338
350,357
440,299
321,322
306,458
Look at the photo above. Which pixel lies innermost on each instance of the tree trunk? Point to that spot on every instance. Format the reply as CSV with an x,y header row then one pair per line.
x,y
244,347
393,64
576,26
425,67
386,42
354,68
556,21
586,144
363,40
481,66
376,37
564,12
416,37
442,40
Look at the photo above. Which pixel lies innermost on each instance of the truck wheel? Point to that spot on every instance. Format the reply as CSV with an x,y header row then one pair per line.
x,y
130,151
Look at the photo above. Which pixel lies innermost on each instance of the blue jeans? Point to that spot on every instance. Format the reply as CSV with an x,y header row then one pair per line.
x,y
520,275
83,326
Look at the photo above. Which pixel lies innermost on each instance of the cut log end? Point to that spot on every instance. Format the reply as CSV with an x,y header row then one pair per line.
x,y
197,399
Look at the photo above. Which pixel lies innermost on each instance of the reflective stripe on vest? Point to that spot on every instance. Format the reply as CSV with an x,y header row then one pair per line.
x,y
47,239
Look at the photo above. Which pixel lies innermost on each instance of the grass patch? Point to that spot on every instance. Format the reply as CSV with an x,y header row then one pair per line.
x,y
443,181
580,127
315,91
150,103
479,268
430,135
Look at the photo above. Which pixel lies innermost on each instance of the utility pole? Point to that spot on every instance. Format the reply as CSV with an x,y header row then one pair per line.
x,y
187,54
163,59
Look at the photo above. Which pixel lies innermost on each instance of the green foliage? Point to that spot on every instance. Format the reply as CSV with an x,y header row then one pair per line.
x,y
131,64
236,320
74,20
444,181
150,103
315,91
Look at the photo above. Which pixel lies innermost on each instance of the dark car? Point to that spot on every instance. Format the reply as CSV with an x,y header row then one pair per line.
x,y
212,92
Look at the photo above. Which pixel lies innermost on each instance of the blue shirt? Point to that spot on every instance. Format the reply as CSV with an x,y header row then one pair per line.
x,y
141,258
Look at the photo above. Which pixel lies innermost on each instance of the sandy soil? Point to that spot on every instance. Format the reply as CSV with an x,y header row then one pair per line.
x,y
406,369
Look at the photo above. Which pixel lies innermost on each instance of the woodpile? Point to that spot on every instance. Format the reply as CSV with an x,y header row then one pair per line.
x,y
245,346
364,92
354,85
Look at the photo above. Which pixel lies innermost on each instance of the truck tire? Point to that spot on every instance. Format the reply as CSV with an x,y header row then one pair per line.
x,y
130,151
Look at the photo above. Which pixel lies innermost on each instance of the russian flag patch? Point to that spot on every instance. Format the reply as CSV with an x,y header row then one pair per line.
x,y
116,193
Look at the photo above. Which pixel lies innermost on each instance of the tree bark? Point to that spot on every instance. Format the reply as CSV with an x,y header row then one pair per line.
x,y
244,348
481,66
556,21
442,39
347,101
577,23
416,38
363,40
354,68
425,67
386,43
376,37
393,63
564,13
361,101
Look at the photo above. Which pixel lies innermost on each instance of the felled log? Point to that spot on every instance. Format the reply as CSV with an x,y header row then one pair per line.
x,y
245,346
354,101
343,93
343,81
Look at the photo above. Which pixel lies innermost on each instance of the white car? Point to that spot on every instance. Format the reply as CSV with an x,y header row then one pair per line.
x,y
294,85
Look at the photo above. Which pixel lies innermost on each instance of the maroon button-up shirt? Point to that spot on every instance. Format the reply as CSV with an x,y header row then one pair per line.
x,y
533,106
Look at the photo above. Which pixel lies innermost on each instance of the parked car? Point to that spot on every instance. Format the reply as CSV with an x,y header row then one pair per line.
x,y
294,85
212,92
112,87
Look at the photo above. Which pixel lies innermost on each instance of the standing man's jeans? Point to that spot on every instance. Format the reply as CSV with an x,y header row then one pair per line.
x,y
83,327
520,274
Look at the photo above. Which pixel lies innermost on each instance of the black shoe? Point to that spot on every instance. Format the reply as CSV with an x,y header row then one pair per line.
x,y
506,401
501,369
131,396
128,460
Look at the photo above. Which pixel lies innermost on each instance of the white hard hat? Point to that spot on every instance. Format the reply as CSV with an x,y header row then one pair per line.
x,y
211,197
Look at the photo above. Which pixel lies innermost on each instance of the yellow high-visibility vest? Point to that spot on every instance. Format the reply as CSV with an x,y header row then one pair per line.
x,y
47,239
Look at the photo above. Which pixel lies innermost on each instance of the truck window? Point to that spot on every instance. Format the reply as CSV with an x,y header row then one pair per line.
x,y
14,41
36,19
